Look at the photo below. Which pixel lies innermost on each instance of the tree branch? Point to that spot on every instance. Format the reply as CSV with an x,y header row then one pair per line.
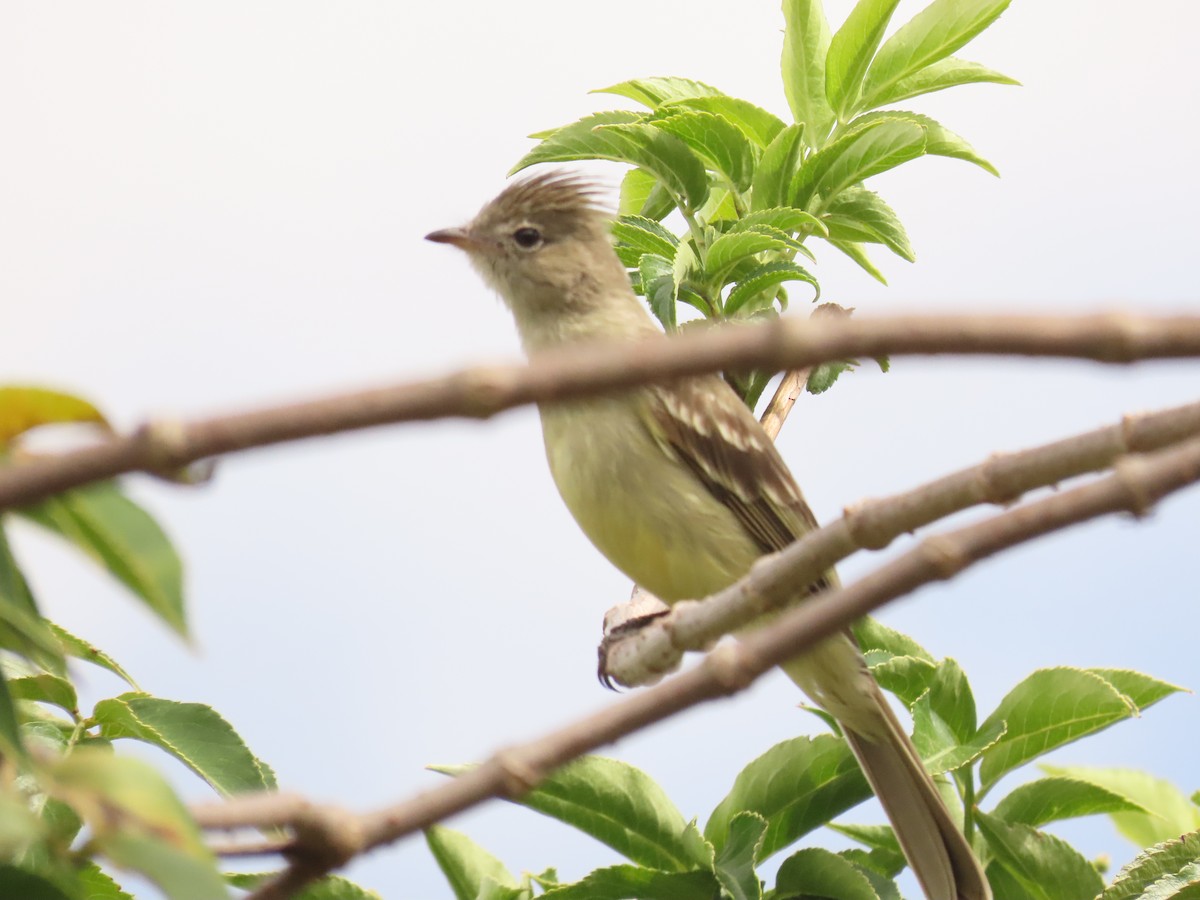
x,y
579,371
1136,484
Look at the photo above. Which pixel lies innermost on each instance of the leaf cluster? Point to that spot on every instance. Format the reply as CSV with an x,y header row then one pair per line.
x,y
752,189
804,783
68,797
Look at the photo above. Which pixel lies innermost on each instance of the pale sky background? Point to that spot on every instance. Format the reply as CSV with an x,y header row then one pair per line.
x,y
212,206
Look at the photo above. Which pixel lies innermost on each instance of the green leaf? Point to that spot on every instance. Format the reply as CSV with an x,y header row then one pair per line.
x,y
787,219
734,865
25,408
574,141
758,283
755,122
623,882
642,195
939,140
930,36
939,746
138,822
81,649
866,863
122,537
775,170
193,733
331,887
851,50
1167,811
796,786
805,47
907,677
22,628
861,154
857,214
856,252
666,157
875,638
97,885
816,872
654,92
716,140
825,375
886,855
730,249
10,731
1050,708
946,73
685,268
1160,872
46,688
1046,866
466,865
1059,797
22,884
1142,690
658,286
951,698
619,805
645,236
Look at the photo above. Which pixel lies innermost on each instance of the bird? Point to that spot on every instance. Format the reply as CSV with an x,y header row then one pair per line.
x,y
680,488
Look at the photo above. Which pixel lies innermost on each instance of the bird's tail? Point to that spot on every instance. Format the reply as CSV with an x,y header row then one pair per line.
x,y
936,849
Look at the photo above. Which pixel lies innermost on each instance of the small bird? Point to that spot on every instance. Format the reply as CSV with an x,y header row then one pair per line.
x,y
680,487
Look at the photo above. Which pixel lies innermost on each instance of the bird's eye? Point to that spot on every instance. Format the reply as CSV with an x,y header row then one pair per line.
x,y
527,238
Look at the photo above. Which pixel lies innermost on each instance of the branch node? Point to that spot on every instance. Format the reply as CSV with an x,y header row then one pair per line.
x,y
163,444
486,391
518,775
858,520
326,836
732,667
1131,473
991,489
1126,340
944,555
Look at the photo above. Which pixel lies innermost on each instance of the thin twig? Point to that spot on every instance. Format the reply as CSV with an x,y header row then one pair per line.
x,y
1136,485
578,371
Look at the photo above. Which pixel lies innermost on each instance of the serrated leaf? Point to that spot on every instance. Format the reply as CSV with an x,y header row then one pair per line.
x,y
856,252
101,521
193,733
939,140
1168,812
137,821
796,786
465,864
907,677
857,214
1142,690
951,698
46,688
665,156
623,882
1169,865
825,375
88,652
1060,797
645,235
755,122
946,73
850,52
716,140
930,36
331,887
873,636
940,748
25,408
734,865
1046,866
787,219
861,154
10,731
22,628
653,92
869,865
572,142
778,164
886,855
97,885
758,282
817,872
658,286
642,195
620,806
684,268
805,48
730,249
1050,708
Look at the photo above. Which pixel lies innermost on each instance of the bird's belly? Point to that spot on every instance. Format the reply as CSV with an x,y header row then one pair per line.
x,y
645,511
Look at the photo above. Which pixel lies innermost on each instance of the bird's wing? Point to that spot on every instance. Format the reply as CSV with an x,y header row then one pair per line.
x,y
703,423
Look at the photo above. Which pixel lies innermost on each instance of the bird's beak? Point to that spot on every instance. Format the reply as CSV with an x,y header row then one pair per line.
x,y
459,237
